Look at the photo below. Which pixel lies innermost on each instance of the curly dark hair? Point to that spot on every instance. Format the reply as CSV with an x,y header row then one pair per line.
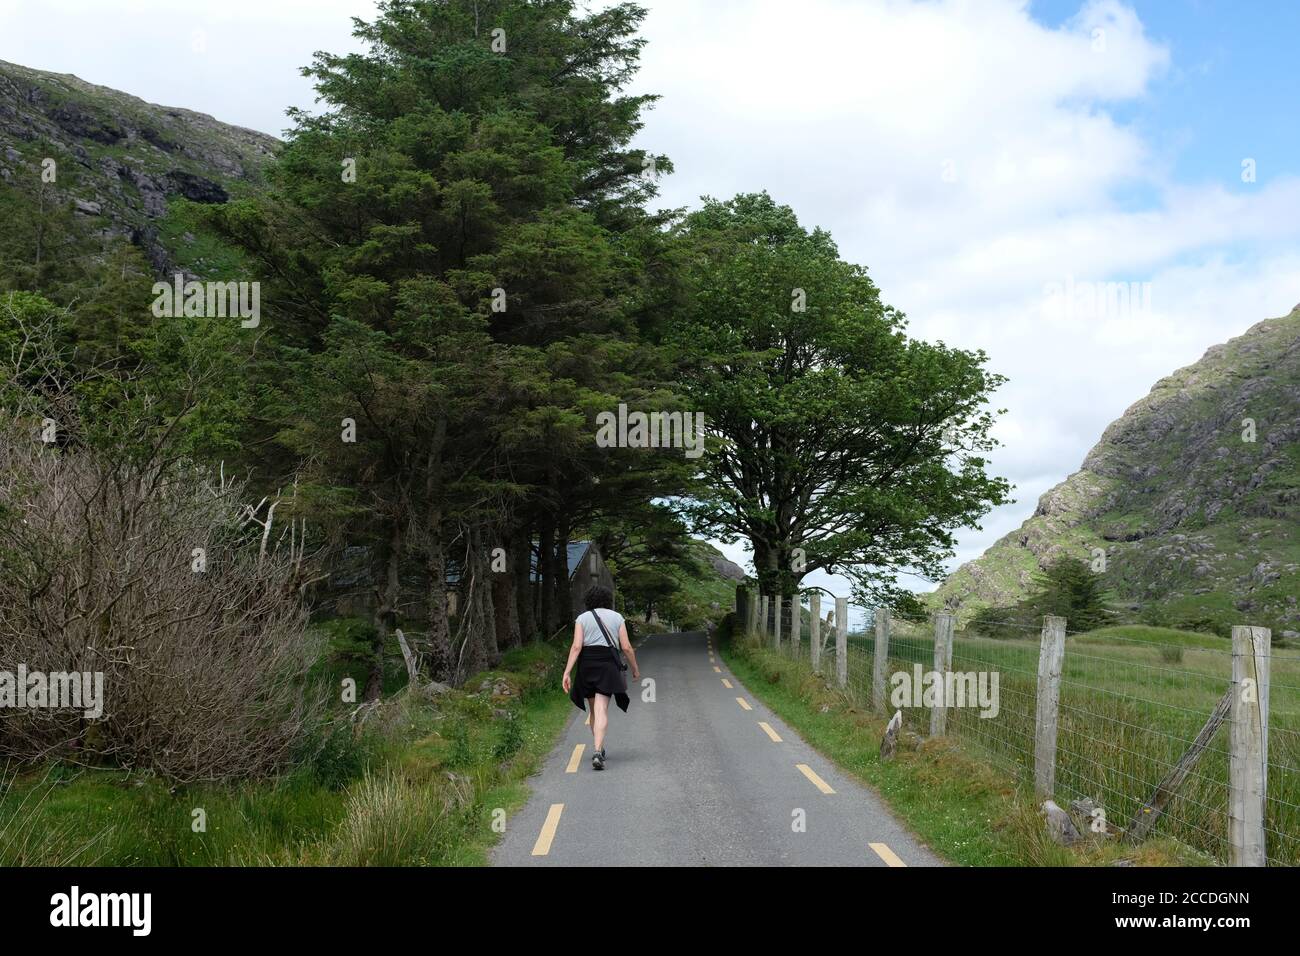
x,y
598,596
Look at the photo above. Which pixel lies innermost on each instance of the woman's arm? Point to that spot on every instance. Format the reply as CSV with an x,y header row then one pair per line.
x,y
627,649
574,650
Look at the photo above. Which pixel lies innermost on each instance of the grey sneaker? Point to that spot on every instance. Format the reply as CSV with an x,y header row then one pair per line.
x,y
598,760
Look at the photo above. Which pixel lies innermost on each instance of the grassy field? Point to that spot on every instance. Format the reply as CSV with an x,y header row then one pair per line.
x,y
421,784
971,810
1132,700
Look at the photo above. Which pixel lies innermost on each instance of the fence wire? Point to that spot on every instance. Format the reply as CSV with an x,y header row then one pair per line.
x,y
1132,702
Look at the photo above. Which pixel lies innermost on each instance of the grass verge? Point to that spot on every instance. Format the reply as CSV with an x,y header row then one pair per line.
x,y
964,806
421,784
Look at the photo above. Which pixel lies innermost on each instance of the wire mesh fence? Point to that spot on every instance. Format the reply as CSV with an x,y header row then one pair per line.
x,y
1142,722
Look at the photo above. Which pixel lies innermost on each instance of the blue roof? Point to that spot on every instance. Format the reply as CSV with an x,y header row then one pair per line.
x,y
577,551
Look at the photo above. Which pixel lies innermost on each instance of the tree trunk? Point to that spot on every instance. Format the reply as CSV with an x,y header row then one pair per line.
x,y
441,655
521,558
442,662
546,576
387,615
487,615
563,592
506,604
476,630
763,563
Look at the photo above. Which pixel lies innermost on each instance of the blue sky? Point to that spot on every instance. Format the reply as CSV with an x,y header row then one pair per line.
x,y
1232,87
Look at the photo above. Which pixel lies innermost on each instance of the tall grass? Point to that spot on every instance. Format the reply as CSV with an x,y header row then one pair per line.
x,y
392,822
416,786
27,840
1132,700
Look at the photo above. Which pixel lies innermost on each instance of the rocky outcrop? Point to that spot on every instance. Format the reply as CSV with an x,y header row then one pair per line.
x,y
119,158
727,570
1192,496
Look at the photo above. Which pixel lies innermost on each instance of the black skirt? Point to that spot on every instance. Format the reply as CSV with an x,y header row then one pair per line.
x,y
599,673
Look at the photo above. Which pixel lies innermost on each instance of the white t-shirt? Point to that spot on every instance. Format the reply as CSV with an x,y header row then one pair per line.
x,y
591,636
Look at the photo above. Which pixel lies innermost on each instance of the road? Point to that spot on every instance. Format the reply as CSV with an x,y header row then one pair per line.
x,y
703,776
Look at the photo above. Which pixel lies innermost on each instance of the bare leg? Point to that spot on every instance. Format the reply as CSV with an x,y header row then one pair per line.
x,y
591,711
601,720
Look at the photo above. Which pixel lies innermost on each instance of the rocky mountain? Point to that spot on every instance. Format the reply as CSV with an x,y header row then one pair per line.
x,y
1192,496
725,569
129,166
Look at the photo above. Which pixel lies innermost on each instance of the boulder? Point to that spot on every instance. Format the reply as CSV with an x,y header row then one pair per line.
x,y
889,743
1059,825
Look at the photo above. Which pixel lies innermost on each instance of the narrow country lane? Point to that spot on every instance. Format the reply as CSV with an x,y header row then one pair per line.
x,y
705,775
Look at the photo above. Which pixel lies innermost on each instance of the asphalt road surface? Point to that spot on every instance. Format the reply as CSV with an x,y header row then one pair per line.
x,y
703,776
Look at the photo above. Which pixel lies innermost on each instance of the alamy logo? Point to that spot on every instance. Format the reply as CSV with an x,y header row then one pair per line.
x,y
57,690
651,430
103,909
951,689
212,300
1096,301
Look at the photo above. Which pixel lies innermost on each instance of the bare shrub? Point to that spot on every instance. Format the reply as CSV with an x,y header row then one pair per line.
x,y
144,566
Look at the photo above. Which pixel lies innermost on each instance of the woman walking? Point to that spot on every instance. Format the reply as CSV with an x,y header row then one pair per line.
x,y
599,644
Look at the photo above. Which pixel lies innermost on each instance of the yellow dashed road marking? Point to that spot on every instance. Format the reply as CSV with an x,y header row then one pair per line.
x,y
744,704
767,729
885,853
575,759
817,781
543,844
717,670
726,683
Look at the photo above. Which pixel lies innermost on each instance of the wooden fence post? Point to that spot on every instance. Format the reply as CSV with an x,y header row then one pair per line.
x,y
762,619
1248,753
1051,657
880,660
776,621
842,641
943,625
815,630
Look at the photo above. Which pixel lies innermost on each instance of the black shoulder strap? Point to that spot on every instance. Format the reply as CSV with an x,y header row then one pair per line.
x,y
601,624
614,647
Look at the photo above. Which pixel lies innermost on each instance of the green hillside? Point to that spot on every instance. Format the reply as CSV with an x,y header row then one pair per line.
x,y
1198,517
129,170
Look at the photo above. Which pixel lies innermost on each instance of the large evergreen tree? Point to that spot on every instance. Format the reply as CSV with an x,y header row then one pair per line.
x,y
470,297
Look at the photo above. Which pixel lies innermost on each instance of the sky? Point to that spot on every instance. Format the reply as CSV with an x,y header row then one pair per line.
x,y
999,166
